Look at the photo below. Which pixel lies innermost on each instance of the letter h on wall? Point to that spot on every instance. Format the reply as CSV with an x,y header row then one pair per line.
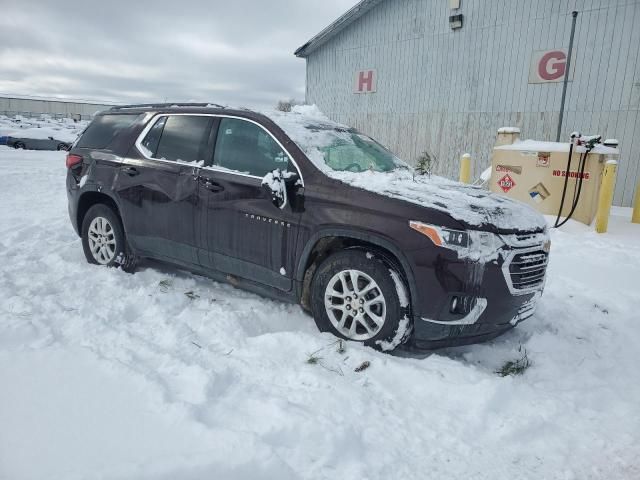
x,y
365,81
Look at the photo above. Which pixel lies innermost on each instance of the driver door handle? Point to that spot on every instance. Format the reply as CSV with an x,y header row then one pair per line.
x,y
131,171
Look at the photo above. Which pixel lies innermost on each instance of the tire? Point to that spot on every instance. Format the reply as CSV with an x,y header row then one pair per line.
x,y
62,146
103,239
19,146
383,318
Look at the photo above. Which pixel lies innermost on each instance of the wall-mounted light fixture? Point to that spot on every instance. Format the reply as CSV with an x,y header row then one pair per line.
x,y
455,21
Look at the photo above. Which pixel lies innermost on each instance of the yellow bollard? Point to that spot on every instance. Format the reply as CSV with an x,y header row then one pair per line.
x,y
465,168
635,217
606,196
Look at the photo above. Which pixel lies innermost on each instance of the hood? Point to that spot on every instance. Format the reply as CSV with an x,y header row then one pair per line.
x,y
474,207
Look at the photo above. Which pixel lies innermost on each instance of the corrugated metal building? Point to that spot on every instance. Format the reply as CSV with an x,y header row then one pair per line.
x,y
444,75
30,106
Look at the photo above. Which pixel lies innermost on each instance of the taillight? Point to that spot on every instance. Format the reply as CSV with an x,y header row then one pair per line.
x,y
73,160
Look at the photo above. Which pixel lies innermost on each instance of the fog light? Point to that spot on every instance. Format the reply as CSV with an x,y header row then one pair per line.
x,y
461,304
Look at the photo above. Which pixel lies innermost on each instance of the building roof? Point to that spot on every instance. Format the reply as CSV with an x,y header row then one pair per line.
x,y
13,96
336,27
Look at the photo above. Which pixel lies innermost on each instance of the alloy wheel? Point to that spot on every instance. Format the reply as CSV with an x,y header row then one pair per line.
x,y
355,305
102,240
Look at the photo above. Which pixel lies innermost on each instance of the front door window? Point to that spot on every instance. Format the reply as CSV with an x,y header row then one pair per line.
x,y
247,148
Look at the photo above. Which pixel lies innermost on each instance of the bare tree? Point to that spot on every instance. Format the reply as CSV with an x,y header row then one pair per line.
x,y
425,164
287,105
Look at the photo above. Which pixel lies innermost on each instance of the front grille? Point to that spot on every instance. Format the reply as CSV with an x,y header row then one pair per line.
x,y
525,240
525,237
525,270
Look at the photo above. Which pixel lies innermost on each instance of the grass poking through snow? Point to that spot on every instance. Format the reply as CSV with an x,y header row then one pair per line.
x,y
517,366
313,359
165,285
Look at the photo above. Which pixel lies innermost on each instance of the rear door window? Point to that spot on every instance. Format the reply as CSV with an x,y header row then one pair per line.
x,y
247,148
182,138
104,128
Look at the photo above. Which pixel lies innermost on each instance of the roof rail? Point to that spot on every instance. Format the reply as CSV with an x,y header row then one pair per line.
x,y
166,105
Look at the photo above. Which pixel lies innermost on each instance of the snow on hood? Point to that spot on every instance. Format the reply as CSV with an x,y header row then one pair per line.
x,y
472,206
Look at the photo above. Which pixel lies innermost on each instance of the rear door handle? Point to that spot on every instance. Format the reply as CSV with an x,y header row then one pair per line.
x,y
212,186
131,171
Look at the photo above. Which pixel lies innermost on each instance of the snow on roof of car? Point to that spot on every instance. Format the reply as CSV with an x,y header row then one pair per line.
x,y
311,130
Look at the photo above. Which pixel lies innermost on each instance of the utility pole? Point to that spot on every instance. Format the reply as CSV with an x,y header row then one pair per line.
x,y
567,72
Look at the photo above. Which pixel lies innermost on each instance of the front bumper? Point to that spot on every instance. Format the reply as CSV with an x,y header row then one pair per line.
x,y
501,293
489,324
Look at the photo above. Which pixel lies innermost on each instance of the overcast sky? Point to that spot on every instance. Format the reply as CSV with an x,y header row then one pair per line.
x,y
237,52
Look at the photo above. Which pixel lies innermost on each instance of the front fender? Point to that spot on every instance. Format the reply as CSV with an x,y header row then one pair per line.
x,y
381,242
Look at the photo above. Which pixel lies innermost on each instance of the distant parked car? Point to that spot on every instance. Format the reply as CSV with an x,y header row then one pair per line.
x,y
3,140
37,143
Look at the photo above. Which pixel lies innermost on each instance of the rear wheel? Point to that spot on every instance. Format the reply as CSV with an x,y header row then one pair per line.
x,y
103,239
354,296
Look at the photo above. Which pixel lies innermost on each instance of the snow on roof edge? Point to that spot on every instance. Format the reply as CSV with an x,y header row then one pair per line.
x,y
336,26
508,130
541,146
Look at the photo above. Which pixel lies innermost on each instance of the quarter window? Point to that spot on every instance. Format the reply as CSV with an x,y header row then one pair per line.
x,y
245,147
179,137
104,128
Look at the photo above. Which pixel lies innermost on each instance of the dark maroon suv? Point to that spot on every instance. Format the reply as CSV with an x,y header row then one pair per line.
x,y
298,208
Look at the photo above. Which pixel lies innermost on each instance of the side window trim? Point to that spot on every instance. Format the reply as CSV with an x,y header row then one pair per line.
x,y
211,144
153,124
141,148
215,128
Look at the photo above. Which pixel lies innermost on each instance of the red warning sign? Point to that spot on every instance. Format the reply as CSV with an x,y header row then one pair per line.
x,y
506,183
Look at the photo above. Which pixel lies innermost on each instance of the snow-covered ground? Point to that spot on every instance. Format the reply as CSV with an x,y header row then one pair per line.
x,y
115,376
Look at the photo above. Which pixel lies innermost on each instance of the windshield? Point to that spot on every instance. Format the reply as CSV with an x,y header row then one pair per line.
x,y
353,152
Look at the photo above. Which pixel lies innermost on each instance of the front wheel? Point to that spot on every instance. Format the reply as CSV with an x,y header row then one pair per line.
x,y
356,296
19,146
103,239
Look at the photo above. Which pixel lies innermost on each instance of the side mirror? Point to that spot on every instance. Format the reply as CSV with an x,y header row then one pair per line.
x,y
50,138
273,184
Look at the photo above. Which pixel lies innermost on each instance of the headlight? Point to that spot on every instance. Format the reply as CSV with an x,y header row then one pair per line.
x,y
468,243
442,237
